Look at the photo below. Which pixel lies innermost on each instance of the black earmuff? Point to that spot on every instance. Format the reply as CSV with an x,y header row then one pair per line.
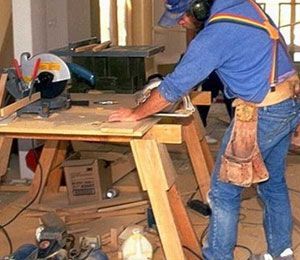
x,y
200,9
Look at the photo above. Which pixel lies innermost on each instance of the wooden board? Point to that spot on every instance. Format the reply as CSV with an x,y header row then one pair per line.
x,y
201,98
3,80
156,173
8,110
83,121
5,143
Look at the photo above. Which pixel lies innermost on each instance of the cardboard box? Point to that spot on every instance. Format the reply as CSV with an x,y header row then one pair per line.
x,y
87,180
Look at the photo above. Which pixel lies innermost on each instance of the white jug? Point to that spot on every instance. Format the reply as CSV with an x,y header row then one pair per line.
x,y
136,247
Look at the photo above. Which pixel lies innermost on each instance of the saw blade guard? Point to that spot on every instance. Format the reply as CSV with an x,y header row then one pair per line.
x,y
49,63
53,73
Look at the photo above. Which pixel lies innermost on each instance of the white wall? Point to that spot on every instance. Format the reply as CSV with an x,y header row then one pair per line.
x,y
22,26
56,23
42,25
79,20
173,39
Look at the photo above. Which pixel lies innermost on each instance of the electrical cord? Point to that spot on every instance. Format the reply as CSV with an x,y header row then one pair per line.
x,y
7,238
2,226
203,234
191,251
245,248
193,194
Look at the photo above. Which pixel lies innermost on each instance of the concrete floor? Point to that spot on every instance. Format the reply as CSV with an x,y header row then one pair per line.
x,y
250,234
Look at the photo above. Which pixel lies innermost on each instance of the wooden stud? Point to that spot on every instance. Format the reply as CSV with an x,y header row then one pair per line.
x,y
114,35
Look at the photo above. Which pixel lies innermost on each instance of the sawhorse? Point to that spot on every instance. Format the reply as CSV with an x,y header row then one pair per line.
x,y
155,169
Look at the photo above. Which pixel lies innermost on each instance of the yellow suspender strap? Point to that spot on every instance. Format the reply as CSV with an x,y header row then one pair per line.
x,y
265,25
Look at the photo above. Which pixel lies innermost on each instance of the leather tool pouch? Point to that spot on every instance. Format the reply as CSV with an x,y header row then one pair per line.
x,y
296,137
242,163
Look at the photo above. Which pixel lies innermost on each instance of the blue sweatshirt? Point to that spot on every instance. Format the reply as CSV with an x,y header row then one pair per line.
x,y
240,54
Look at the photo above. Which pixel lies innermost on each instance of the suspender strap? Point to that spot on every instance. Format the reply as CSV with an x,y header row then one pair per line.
x,y
265,25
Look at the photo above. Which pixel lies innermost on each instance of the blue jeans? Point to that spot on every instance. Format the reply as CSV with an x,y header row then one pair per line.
x,y
275,126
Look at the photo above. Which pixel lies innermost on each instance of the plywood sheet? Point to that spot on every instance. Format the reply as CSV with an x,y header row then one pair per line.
x,y
77,121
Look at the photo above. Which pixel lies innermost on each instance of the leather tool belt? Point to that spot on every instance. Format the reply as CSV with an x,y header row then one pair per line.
x,y
285,90
242,163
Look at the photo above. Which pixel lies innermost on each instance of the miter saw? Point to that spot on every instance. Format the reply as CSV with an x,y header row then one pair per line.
x,y
44,73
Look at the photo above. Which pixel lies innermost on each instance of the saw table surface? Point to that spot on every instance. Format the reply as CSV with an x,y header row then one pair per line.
x,y
81,120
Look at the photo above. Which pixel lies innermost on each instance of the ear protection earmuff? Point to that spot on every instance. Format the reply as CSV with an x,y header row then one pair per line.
x,y
200,9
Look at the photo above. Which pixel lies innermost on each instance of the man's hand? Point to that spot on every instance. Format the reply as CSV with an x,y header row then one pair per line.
x,y
153,104
122,114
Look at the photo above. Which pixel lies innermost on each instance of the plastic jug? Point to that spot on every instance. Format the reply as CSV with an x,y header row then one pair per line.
x,y
136,247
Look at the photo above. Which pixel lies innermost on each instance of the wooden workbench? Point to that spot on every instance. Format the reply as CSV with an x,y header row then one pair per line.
x,y
147,139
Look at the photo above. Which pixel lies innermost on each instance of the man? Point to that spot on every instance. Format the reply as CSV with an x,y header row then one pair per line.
x,y
212,83
255,68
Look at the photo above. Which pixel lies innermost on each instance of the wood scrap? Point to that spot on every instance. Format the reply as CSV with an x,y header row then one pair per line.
x,y
8,110
87,47
13,188
100,147
107,203
3,80
128,188
82,218
128,231
107,156
125,206
114,234
122,167
101,46
105,239
78,230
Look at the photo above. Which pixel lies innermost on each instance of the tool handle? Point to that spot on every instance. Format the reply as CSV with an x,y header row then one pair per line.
x,y
35,69
82,73
17,68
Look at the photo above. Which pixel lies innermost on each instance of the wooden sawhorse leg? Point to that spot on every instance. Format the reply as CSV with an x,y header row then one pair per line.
x,y
5,142
198,150
157,176
53,154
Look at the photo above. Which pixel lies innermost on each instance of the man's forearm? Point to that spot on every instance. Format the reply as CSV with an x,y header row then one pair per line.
x,y
152,105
